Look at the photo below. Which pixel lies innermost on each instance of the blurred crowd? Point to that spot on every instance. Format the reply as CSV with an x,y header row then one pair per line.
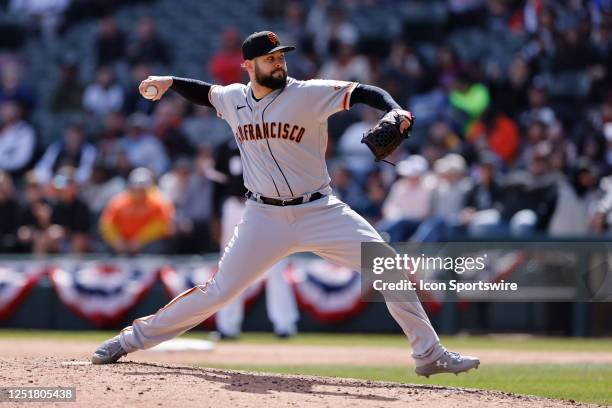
x,y
513,143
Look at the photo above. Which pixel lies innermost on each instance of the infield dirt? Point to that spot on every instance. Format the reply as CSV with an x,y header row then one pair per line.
x,y
150,379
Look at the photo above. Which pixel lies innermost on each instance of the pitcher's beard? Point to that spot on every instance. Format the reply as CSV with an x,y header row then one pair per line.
x,y
270,81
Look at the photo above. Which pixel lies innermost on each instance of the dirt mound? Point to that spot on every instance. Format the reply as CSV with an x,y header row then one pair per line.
x,y
287,354
139,384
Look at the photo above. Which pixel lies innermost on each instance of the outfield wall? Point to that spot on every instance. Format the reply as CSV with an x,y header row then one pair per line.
x,y
108,293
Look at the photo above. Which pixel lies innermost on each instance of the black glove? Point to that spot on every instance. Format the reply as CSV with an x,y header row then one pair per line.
x,y
388,133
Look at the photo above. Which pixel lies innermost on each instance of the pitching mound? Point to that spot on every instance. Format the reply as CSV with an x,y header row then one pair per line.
x,y
139,384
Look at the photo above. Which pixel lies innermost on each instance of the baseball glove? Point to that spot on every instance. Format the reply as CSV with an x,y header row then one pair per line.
x,y
388,133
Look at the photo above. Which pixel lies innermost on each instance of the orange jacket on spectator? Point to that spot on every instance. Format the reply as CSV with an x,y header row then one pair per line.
x,y
128,219
502,137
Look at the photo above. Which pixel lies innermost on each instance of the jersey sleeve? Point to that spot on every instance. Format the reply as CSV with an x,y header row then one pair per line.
x,y
222,98
326,97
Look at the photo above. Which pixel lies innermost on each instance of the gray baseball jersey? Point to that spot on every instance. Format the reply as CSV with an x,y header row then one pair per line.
x,y
283,137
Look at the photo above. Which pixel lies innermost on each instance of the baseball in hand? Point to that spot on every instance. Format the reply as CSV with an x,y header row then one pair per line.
x,y
150,92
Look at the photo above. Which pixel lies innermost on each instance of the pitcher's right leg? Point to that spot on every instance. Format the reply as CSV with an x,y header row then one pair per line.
x,y
258,243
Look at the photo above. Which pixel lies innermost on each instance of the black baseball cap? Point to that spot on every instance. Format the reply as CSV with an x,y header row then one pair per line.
x,y
262,43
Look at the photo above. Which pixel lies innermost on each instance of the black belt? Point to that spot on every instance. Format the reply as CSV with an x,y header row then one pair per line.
x,y
282,203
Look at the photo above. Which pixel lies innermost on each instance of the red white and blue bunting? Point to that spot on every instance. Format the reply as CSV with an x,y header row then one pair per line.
x,y
103,291
328,292
17,278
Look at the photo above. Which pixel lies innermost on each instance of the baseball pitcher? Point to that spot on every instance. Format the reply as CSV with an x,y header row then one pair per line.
x,y
280,125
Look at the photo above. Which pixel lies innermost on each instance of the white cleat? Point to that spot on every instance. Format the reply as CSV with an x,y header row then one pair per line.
x,y
108,352
449,362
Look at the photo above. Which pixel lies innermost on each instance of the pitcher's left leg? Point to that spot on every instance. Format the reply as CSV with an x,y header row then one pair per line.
x,y
334,231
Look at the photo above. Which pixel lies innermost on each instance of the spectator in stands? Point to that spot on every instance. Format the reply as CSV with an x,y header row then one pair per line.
x,y
12,88
224,66
72,150
538,108
576,202
344,184
358,157
110,43
293,30
167,127
68,93
141,148
45,15
140,219
134,102
541,49
204,126
101,187
17,139
304,61
574,52
499,16
496,132
448,67
409,200
376,193
530,196
563,149
346,64
328,25
9,214
403,73
35,215
607,133
601,221
448,199
105,95
147,47
70,220
108,141
469,97
441,140
123,166
511,94
483,203
601,80
535,135
190,189
272,9
465,13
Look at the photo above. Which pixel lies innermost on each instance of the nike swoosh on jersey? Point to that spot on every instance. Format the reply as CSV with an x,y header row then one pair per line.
x,y
240,107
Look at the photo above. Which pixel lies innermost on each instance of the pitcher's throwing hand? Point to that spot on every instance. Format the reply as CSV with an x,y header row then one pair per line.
x,y
161,83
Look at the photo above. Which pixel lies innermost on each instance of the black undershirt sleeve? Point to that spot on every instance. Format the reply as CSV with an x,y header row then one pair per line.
x,y
373,96
193,90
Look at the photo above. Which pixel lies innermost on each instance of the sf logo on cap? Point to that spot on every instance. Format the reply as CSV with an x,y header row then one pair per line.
x,y
273,38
